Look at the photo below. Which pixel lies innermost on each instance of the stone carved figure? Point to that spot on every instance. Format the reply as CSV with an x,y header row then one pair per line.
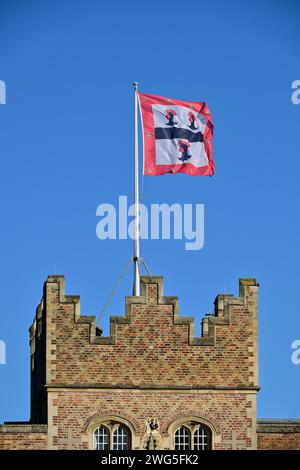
x,y
152,439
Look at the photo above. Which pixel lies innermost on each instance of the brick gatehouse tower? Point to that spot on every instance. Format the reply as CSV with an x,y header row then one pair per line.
x,y
151,384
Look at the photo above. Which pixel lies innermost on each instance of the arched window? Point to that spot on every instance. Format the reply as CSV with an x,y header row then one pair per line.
x,y
120,438
101,439
182,439
201,438
193,436
112,436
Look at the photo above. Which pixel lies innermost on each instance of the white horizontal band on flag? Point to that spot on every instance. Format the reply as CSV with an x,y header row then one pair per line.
x,y
181,118
167,153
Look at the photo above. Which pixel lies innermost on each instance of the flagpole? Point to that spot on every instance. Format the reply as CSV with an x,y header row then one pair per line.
x,y
136,252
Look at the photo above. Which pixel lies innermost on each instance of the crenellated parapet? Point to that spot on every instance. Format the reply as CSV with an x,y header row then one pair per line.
x,y
151,294
150,368
151,344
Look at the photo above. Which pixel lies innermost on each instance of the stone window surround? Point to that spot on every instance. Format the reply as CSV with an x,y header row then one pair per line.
x,y
192,427
110,422
189,421
111,426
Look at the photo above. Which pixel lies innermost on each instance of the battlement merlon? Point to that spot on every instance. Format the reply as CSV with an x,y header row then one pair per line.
x,y
66,347
151,294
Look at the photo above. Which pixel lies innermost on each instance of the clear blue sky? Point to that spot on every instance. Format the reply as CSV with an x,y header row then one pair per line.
x,y
66,146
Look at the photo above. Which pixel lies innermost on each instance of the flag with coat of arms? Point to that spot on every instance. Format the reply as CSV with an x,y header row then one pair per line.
x,y
177,136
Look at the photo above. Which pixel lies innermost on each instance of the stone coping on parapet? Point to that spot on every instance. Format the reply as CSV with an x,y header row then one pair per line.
x,y
150,387
278,425
13,427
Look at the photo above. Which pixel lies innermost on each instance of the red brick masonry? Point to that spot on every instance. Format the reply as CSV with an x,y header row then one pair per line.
x,y
278,434
151,366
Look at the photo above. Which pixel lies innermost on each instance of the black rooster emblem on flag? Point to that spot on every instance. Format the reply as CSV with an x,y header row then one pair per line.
x,y
192,119
170,114
184,146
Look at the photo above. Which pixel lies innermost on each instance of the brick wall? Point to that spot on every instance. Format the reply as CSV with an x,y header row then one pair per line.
x,y
151,366
23,437
152,344
77,413
278,434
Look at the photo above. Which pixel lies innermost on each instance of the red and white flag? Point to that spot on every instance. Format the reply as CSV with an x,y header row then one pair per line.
x,y
177,136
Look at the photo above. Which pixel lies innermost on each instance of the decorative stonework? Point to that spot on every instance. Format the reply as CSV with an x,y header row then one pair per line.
x,y
191,415
152,439
111,415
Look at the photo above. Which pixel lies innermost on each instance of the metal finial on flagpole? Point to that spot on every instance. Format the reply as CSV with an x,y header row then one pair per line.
x,y
136,251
